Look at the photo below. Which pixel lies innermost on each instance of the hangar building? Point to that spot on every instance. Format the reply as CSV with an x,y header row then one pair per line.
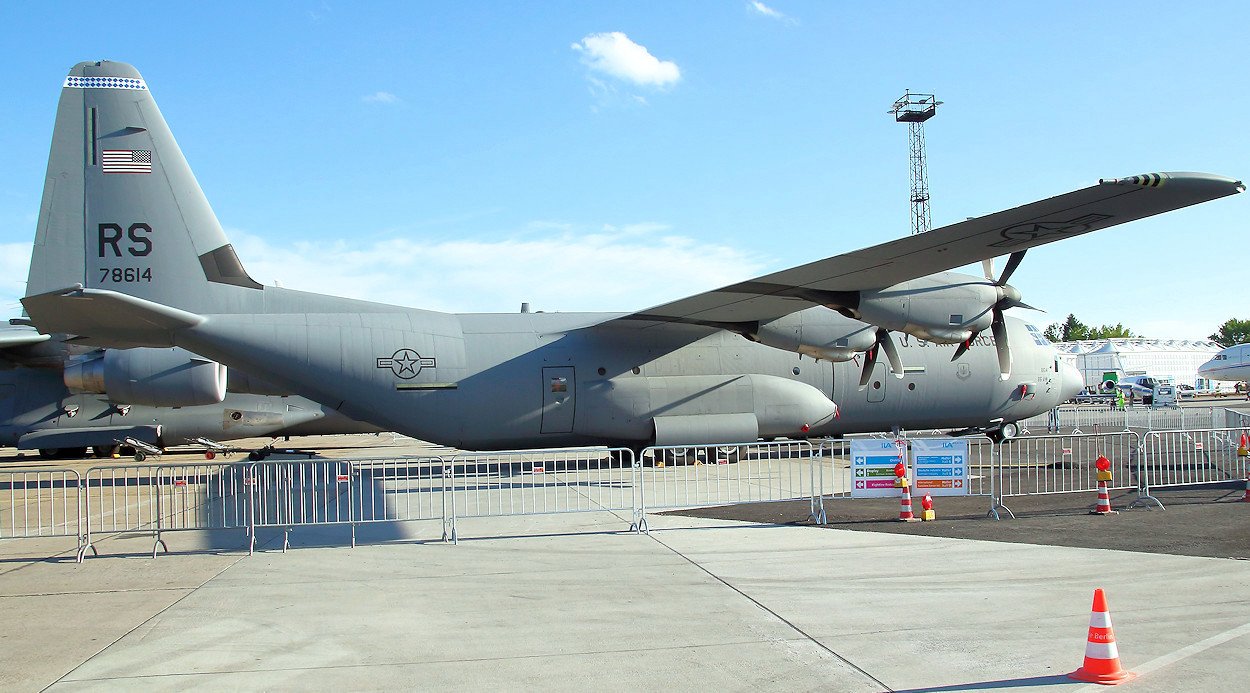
x,y
1174,361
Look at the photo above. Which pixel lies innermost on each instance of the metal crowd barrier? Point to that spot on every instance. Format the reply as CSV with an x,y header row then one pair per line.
x,y
1227,418
299,493
1176,458
674,476
404,489
1093,419
533,482
42,502
1034,465
161,498
200,496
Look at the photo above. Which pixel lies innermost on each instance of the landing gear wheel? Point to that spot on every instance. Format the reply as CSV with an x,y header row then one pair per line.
x,y
105,450
729,453
677,456
1007,431
49,453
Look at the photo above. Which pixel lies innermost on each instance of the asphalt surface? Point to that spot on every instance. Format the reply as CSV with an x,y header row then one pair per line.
x,y
576,601
1205,520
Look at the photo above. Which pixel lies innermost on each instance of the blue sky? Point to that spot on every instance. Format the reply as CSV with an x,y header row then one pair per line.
x,y
611,156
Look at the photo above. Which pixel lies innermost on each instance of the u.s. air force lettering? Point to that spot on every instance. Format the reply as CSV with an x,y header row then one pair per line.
x,y
406,363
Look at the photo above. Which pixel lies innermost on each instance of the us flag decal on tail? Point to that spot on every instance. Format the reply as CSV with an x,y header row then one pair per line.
x,y
126,161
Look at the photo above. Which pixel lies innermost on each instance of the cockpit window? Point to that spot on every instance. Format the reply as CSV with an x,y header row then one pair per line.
x,y
1038,338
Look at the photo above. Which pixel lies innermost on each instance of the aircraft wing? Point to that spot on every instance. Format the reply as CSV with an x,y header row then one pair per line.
x,y
826,282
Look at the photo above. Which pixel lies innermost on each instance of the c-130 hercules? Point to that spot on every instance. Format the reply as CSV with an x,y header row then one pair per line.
x,y
137,258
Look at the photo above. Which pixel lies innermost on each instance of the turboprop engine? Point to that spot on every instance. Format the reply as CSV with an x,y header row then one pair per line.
x,y
947,308
819,333
152,377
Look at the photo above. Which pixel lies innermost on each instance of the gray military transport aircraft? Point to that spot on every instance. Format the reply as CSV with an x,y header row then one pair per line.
x,y
140,260
61,398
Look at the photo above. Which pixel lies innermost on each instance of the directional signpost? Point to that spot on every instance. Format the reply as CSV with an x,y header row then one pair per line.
x,y
941,466
872,466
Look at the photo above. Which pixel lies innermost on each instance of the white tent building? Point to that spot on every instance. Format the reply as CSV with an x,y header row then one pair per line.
x,y
1173,361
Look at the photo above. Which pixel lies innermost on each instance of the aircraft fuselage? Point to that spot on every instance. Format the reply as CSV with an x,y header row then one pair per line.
x,y
496,381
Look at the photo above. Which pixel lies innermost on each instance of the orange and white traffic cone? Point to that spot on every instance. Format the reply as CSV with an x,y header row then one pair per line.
x,y
904,511
1104,498
1104,501
1243,456
1102,658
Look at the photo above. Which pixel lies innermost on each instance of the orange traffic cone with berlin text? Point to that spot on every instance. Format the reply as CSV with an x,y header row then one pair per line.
x,y
1102,658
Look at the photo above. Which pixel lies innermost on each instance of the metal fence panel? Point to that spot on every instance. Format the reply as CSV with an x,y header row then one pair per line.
x,y
41,502
1222,417
399,489
201,496
121,498
290,493
1176,458
698,476
532,482
1064,463
1099,419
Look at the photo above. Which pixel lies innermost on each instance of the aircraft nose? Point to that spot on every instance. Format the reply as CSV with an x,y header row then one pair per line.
x,y
1070,381
1207,369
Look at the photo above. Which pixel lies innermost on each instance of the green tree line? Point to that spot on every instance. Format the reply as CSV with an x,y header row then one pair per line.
x,y
1233,331
1072,329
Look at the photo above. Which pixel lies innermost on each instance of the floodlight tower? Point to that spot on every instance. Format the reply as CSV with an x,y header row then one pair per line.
x,y
914,109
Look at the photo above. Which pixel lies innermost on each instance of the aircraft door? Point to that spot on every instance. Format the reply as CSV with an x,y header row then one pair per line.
x,y
559,388
876,385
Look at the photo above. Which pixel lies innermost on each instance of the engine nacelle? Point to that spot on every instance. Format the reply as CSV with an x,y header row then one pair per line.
x,y
701,409
242,383
151,377
947,308
819,333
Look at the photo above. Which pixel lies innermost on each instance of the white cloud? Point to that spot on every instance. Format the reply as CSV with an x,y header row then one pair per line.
x,y
767,11
624,268
612,53
380,97
14,266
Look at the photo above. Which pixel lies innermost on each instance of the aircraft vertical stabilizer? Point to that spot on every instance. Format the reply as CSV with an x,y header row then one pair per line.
x,y
121,209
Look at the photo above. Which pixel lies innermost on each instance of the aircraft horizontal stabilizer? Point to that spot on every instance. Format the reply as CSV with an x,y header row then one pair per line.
x,y
108,318
836,281
20,335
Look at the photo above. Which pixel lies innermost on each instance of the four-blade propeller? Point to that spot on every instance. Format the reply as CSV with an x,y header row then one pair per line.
x,y
884,343
1008,297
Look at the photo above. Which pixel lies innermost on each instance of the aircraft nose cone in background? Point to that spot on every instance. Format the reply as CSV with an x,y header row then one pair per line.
x,y
1070,381
1207,370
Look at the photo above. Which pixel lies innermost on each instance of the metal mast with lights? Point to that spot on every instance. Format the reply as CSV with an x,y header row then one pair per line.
x,y
914,109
